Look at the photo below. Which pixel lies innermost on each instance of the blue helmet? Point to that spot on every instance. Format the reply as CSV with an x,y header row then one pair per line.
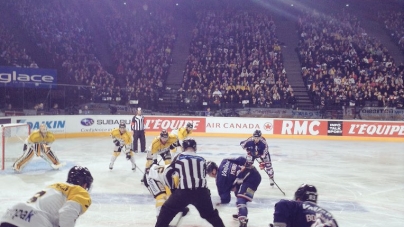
x,y
306,192
257,133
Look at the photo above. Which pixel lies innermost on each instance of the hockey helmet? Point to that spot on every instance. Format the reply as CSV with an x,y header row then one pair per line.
x,y
306,192
257,133
164,134
122,125
210,166
190,125
187,143
79,175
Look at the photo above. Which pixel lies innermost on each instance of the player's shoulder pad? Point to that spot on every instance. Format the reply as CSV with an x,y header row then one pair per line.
x,y
81,196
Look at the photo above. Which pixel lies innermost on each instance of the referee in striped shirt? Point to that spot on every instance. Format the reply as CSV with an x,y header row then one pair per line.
x,y
138,131
186,177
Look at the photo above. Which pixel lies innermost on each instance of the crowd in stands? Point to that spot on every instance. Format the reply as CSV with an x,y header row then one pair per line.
x,y
11,53
342,66
140,39
394,23
235,60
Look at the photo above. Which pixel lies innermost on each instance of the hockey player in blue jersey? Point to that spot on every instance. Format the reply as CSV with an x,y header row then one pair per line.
x,y
303,211
237,175
257,147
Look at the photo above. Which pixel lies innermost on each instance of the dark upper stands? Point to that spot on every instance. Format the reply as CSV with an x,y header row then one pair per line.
x,y
234,56
343,66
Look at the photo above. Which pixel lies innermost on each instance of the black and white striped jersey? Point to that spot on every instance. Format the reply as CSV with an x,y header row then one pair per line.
x,y
137,123
189,169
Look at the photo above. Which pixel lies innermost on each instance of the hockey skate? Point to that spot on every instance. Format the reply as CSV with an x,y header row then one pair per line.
x,y
111,166
235,216
133,166
243,222
58,165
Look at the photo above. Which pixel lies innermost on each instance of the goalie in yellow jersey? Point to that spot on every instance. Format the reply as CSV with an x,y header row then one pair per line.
x,y
122,140
60,204
160,146
38,143
182,133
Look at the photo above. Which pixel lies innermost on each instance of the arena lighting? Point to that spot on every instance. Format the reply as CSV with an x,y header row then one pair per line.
x,y
347,5
176,4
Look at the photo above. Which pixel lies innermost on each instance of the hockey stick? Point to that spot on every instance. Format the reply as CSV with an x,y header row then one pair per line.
x,y
279,188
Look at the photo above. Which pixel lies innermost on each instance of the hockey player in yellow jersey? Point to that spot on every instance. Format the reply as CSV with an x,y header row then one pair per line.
x,y
182,133
38,143
160,146
59,205
122,140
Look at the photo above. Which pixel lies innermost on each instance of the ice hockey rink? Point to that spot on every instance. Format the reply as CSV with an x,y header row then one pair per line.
x,y
360,183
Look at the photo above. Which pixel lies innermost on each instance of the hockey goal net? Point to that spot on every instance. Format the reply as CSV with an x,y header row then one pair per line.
x,y
12,142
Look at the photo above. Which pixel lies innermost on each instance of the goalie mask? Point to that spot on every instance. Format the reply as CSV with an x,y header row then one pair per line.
x,y
306,192
79,175
43,129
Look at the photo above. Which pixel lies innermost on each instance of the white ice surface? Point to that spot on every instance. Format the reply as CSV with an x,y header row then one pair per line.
x,y
360,183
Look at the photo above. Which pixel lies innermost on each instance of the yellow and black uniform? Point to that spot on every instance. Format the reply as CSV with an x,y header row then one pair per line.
x,y
160,146
182,133
163,149
60,204
39,143
122,139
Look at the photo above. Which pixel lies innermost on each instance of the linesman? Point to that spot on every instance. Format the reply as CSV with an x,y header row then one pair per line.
x,y
138,131
186,177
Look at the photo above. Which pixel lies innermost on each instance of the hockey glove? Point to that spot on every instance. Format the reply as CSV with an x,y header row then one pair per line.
x,y
128,156
238,181
116,142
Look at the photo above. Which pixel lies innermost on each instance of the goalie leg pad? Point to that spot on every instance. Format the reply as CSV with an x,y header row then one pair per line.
x,y
23,160
51,157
